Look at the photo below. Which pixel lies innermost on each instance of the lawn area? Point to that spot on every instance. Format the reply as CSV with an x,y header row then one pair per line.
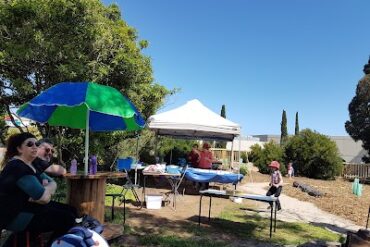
x,y
231,225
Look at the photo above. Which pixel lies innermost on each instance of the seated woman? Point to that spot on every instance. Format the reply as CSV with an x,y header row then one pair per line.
x,y
25,193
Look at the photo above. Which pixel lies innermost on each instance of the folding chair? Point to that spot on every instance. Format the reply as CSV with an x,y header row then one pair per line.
x,y
124,165
175,182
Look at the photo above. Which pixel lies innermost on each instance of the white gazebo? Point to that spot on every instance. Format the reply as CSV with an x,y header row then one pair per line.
x,y
194,121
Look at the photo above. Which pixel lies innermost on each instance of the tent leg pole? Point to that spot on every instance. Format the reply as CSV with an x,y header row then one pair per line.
x,y
232,155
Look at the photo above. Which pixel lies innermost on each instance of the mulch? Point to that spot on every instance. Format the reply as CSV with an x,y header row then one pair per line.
x,y
338,198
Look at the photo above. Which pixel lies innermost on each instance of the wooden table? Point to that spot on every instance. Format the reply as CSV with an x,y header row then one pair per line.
x,y
87,192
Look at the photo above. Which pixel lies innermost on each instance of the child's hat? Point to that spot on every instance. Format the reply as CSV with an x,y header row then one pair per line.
x,y
275,164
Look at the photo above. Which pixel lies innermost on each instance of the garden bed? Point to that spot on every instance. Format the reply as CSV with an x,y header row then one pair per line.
x,y
338,198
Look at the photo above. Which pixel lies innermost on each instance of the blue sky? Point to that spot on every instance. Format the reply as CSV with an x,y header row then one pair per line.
x,y
258,57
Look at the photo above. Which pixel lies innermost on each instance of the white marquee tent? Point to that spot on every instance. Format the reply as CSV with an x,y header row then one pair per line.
x,y
193,120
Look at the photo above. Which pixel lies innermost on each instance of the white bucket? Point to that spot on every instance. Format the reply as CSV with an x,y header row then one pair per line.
x,y
153,201
236,199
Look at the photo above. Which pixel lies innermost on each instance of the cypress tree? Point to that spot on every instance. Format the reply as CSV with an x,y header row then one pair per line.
x,y
222,144
296,130
284,129
223,111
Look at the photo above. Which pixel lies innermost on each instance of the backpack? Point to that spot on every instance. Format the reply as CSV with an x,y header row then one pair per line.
x,y
80,237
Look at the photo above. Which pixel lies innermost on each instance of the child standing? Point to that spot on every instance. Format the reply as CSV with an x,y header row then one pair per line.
x,y
290,170
276,182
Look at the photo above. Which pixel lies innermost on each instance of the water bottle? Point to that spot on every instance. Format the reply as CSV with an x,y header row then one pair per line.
x,y
94,165
73,167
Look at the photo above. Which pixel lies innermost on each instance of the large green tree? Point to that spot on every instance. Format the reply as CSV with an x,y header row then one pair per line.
x,y
284,129
43,42
358,127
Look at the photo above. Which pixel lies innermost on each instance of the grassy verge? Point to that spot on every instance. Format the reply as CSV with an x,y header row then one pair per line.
x,y
244,226
231,228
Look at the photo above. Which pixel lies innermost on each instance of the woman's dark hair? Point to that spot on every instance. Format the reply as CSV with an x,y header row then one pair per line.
x,y
13,142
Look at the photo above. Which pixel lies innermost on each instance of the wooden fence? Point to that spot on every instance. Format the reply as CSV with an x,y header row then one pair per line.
x,y
361,171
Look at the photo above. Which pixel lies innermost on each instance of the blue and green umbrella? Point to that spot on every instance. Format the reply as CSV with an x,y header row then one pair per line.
x,y
84,105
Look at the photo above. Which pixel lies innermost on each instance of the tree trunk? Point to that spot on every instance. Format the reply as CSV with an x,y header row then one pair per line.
x,y
306,188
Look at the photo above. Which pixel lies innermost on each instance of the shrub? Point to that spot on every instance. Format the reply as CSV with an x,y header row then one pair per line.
x,y
244,157
314,155
243,169
262,157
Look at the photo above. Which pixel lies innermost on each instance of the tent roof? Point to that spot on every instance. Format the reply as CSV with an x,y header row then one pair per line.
x,y
195,121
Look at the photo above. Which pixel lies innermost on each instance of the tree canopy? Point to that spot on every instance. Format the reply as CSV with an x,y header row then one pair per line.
x,y
44,42
358,127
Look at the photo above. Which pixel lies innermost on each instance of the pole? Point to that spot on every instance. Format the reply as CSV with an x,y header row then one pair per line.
x,y
232,154
137,157
240,147
87,141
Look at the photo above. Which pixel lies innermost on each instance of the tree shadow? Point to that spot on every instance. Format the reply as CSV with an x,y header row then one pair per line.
x,y
333,228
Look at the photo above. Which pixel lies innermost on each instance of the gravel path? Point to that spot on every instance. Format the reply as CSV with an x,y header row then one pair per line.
x,y
295,210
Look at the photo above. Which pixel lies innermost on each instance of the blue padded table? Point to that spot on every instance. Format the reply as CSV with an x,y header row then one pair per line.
x,y
226,195
205,176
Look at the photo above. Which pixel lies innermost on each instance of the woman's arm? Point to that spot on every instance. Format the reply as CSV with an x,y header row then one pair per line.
x,y
37,192
46,196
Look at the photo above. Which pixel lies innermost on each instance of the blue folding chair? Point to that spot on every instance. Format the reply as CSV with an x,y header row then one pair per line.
x,y
124,165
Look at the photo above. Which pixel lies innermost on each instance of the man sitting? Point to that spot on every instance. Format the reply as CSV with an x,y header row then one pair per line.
x,y
45,153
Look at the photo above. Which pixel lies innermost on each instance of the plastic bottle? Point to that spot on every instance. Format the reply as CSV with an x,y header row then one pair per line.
x,y
93,165
73,167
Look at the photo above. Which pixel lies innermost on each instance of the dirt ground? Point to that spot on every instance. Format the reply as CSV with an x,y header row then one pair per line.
x,y
151,221
338,198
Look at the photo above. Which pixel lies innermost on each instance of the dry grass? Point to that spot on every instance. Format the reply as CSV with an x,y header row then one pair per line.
x,y
338,199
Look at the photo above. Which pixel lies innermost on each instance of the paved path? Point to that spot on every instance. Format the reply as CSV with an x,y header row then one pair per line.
x,y
295,210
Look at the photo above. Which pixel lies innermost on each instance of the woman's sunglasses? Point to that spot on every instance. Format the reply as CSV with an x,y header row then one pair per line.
x,y
31,144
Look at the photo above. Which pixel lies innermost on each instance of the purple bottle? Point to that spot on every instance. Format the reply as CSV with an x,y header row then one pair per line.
x,y
73,167
93,165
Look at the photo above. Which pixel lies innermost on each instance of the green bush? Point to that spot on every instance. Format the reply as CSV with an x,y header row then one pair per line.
x,y
243,169
244,157
262,157
314,155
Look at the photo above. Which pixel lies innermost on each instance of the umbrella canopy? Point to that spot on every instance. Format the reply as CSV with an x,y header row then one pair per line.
x,y
83,105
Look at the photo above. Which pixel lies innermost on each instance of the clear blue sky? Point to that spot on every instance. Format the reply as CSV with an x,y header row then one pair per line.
x,y
258,57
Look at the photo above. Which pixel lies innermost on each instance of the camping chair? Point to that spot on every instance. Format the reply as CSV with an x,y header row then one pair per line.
x,y
175,182
124,165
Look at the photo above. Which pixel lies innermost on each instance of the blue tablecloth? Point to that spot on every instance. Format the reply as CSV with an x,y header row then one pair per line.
x,y
204,175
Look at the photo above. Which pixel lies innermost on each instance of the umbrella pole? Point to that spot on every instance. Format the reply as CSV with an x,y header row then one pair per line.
x,y
137,157
87,142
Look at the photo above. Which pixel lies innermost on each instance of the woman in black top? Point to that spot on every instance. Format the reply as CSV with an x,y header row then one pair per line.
x,y
25,193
